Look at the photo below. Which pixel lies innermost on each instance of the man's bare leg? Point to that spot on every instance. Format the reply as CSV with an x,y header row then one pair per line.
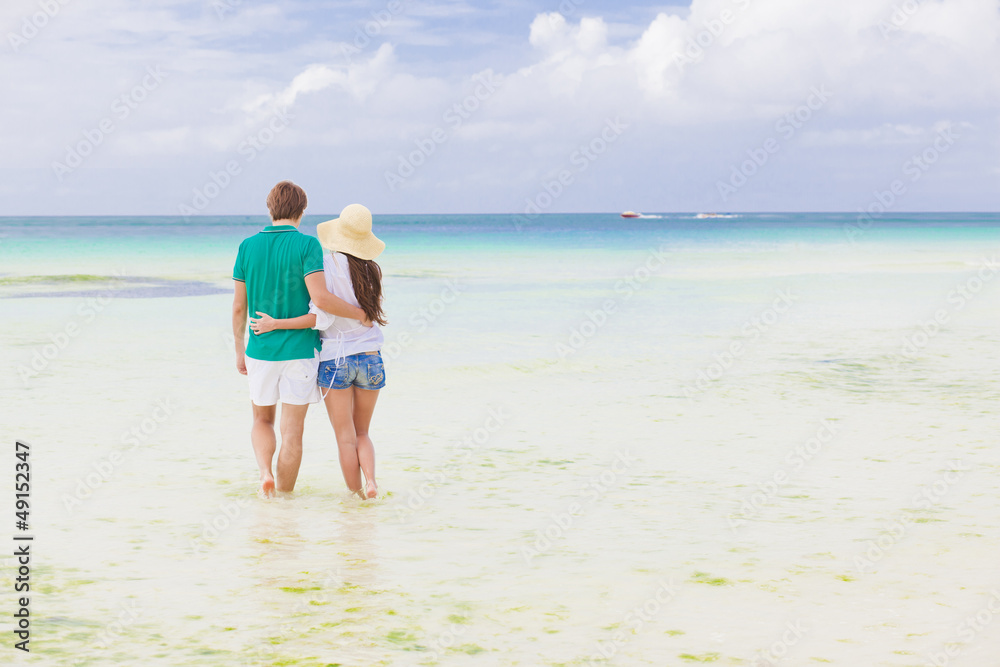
x,y
293,419
262,438
364,406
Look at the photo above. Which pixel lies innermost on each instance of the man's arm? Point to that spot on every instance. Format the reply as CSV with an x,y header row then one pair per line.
x,y
316,284
240,323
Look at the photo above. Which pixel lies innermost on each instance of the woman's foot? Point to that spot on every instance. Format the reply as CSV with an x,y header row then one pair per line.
x,y
266,489
371,489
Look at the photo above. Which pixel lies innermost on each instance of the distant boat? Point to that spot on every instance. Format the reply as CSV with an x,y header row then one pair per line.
x,y
703,216
631,214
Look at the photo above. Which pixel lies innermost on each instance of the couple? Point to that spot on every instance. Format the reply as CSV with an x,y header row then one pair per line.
x,y
316,335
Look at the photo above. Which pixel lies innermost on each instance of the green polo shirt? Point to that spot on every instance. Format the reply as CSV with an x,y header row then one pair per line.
x,y
273,264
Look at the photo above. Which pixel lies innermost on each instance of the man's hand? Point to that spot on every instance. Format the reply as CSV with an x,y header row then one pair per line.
x,y
241,362
367,322
262,324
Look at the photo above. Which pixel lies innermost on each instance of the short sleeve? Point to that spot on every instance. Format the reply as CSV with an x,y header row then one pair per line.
x,y
312,260
324,320
238,272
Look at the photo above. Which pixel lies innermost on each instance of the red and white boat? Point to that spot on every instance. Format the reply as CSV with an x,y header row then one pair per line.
x,y
631,214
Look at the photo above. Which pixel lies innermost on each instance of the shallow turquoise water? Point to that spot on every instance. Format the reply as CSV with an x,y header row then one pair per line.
x,y
469,557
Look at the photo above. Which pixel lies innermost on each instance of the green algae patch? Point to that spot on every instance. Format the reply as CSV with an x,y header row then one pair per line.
x,y
469,649
706,578
401,637
300,589
71,278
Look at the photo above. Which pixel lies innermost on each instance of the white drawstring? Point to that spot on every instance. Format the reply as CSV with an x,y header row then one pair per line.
x,y
339,358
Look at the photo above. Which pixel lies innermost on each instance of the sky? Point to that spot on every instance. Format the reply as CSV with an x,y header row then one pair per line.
x,y
178,107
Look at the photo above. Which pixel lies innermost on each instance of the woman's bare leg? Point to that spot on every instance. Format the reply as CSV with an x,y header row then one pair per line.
x,y
340,406
364,406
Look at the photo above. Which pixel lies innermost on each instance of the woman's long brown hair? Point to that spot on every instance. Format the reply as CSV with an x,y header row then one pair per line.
x,y
366,277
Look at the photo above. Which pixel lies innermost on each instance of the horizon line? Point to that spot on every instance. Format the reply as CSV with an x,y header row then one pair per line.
x,y
538,215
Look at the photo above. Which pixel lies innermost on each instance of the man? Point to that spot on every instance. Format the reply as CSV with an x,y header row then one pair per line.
x,y
277,271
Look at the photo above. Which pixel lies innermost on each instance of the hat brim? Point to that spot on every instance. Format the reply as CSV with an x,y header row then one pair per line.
x,y
331,238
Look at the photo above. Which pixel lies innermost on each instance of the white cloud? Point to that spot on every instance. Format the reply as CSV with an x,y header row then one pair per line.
x,y
696,87
655,53
883,135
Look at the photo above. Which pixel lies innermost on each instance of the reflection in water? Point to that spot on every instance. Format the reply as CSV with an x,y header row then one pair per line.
x,y
313,561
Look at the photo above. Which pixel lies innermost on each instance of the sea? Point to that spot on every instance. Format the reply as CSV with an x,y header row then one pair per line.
x,y
758,439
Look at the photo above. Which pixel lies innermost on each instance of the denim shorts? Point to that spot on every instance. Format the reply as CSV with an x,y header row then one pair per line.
x,y
364,371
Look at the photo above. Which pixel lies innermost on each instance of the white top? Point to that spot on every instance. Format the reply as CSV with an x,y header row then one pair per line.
x,y
342,336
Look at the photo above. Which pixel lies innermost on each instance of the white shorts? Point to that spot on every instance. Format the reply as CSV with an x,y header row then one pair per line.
x,y
292,382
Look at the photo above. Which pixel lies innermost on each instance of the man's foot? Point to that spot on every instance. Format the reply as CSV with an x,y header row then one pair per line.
x,y
371,490
266,487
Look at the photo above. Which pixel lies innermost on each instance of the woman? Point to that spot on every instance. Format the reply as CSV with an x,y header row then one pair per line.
x,y
351,371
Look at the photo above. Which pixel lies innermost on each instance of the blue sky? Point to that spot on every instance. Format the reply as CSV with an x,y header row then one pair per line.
x,y
198,107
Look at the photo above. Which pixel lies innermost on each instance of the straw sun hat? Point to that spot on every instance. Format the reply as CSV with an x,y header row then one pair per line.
x,y
351,233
